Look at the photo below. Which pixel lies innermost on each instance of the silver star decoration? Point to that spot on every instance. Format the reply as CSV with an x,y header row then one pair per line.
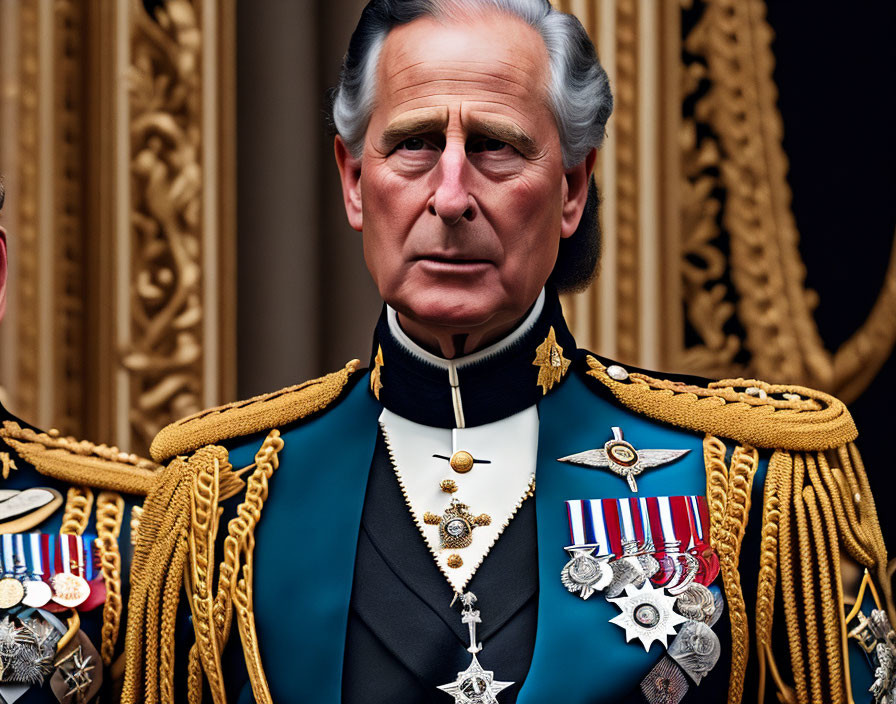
x,y
647,614
475,685
623,459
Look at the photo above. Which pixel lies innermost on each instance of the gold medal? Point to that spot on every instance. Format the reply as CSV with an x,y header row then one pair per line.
x,y
11,592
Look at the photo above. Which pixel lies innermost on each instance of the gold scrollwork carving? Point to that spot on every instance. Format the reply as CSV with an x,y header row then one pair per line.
x,y
744,156
164,358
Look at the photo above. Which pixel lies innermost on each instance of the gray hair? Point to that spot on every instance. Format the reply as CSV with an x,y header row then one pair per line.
x,y
579,91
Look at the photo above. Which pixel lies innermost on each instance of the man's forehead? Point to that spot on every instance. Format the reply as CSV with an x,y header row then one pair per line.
x,y
453,57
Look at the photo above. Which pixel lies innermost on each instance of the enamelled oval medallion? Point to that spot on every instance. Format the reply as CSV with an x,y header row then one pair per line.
x,y
622,453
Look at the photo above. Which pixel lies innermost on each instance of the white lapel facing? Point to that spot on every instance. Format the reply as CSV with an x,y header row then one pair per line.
x,y
501,478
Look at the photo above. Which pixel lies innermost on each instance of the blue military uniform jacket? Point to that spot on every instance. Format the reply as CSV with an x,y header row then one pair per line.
x,y
320,568
96,488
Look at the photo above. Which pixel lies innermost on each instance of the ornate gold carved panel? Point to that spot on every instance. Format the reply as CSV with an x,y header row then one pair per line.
x,y
119,242
727,242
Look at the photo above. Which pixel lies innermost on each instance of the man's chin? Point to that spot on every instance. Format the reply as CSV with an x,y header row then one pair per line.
x,y
460,314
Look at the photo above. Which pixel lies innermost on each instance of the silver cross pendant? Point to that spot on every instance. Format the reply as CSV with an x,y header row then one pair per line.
x,y
623,459
474,685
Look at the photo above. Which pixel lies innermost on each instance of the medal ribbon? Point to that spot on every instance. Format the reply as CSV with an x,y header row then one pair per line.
x,y
607,522
8,564
20,556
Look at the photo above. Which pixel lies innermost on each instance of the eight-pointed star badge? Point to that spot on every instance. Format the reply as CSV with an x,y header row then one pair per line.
x,y
475,685
647,614
622,458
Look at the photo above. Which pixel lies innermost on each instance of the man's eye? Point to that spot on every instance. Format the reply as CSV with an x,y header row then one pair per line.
x,y
488,145
413,144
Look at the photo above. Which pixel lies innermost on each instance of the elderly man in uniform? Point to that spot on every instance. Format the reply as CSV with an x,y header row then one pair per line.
x,y
488,513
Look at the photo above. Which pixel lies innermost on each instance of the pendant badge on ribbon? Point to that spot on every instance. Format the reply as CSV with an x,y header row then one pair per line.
x,y
11,589
70,588
36,549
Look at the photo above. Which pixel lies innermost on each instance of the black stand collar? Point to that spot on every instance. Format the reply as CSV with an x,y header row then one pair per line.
x,y
494,384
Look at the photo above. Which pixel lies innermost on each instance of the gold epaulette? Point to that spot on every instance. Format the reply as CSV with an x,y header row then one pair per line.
x,y
251,416
79,462
750,412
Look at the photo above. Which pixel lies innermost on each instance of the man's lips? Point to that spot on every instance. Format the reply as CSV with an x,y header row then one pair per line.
x,y
440,264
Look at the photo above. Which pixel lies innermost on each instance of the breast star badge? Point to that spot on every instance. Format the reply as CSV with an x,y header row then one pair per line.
x,y
551,363
623,459
647,614
474,685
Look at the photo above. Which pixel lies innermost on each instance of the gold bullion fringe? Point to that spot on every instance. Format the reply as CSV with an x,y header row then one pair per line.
x,y
78,505
817,507
728,490
159,561
109,515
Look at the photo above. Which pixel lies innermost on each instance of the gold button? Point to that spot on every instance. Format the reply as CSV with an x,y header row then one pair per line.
x,y
455,561
461,462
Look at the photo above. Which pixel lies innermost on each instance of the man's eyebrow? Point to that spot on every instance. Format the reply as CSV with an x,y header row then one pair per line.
x,y
505,132
409,125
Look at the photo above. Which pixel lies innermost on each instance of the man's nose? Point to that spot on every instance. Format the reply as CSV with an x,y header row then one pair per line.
x,y
452,200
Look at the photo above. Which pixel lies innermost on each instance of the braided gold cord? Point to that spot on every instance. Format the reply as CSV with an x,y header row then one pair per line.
x,y
235,542
744,461
786,547
109,515
809,618
209,463
830,625
768,562
168,620
714,451
194,677
78,505
241,532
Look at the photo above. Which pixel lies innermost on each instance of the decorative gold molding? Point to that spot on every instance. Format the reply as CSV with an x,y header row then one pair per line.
x,y
725,205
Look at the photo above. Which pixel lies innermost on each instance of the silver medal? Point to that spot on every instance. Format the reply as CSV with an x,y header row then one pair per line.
x,y
696,649
585,574
696,603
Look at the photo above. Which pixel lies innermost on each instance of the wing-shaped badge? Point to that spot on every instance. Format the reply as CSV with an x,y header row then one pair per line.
x,y
623,459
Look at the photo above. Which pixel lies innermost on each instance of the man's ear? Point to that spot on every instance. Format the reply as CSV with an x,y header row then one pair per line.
x,y
576,194
350,174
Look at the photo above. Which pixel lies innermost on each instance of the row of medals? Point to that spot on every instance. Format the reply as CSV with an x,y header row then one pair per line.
x,y
28,634
655,591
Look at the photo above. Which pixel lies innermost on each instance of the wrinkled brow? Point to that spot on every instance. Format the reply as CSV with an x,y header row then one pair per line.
x,y
427,121
504,132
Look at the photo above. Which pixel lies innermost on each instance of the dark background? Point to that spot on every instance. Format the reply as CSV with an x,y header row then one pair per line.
x,y
836,77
